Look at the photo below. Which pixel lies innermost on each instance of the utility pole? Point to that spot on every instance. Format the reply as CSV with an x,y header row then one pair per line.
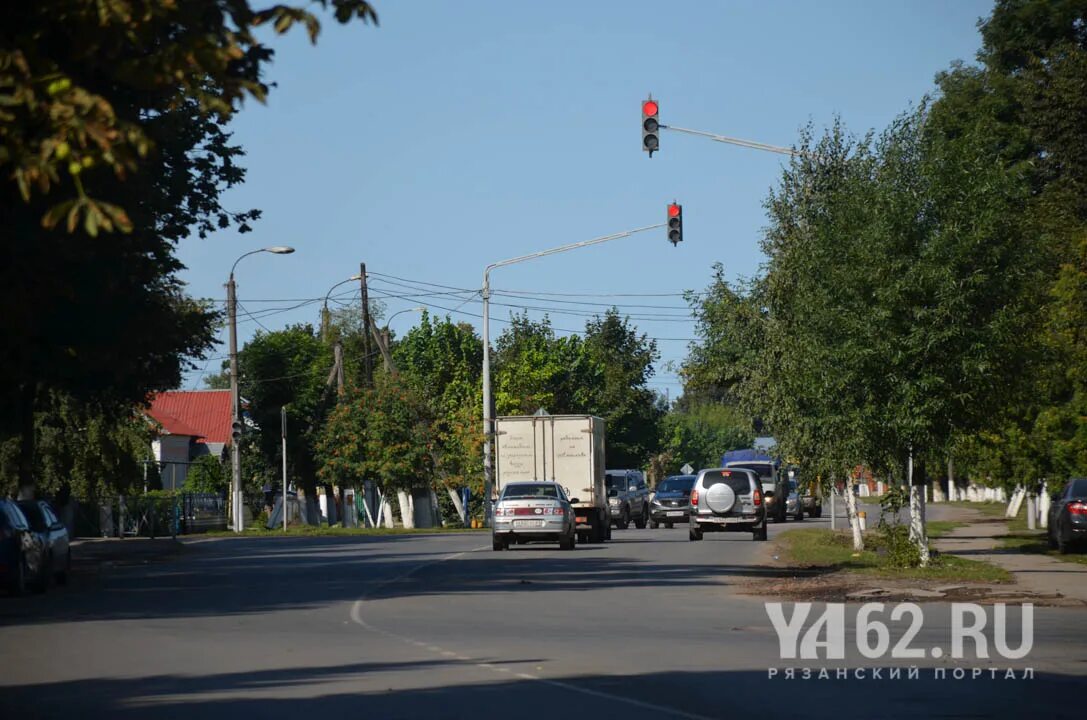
x,y
337,352
283,425
235,409
367,361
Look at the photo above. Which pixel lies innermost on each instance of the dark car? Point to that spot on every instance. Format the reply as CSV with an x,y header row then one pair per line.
x,y
628,498
1068,515
57,555
21,551
671,501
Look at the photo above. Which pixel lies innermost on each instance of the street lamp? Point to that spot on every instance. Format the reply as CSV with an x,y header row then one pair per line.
x,y
235,398
383,342
324,309
488,417
419,308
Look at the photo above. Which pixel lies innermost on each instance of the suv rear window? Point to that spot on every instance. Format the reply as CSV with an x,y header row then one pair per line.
x,y
738,481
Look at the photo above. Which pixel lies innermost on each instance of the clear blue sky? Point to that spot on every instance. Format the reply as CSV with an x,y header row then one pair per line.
x,y
458,134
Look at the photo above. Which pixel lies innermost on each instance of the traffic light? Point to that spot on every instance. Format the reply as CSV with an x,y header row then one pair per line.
x,y
675,223
236,428
650,126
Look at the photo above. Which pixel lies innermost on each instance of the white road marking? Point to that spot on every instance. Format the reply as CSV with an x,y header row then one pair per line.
x,y
356,617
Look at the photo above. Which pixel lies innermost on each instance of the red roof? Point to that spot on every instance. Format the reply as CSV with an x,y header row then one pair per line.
x,y
200,413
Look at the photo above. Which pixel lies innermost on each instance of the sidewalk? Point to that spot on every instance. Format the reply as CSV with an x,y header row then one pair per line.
x,y
1039,574
130,551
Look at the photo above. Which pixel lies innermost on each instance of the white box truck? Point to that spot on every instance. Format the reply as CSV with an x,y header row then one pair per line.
x,y
567,449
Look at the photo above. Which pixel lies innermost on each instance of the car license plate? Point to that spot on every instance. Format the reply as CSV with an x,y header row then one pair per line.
x,y
528,523
675,513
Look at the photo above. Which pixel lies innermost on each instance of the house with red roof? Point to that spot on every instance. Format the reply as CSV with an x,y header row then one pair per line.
x,y
191,423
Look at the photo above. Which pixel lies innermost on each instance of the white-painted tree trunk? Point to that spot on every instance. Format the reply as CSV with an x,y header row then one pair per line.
x,y
455,497
407,516
918,535
851,509
387,512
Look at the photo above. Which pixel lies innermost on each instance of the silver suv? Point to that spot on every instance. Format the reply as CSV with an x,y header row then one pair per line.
x,y
728,499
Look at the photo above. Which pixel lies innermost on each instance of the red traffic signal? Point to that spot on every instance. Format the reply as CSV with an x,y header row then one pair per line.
x,y
650,126
675,223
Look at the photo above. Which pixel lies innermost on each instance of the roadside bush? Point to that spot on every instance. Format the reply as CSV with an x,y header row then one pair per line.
x,y
893,542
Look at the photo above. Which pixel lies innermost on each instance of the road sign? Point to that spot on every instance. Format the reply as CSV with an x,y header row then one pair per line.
x,y
686,469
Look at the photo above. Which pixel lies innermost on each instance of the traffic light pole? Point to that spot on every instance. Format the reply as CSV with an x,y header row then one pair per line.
x,y
734,141
488,415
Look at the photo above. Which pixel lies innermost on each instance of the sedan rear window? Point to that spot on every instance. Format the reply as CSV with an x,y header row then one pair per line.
x,y
530,491
676,484
1079,487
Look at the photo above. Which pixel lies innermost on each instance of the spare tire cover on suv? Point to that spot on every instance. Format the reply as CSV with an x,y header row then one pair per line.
x,y
720,498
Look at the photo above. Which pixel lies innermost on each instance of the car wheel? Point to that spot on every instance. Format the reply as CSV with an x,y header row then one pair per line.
x,y
695,534
759,534
1062,544
1049,536
653,524
640,522
567,542
669,525
498,543
799,515
624,520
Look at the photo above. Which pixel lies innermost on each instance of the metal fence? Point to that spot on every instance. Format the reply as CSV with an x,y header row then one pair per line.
x,y
151,515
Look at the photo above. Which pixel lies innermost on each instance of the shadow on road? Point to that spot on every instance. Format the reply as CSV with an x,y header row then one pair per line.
x,y
248,576
300,692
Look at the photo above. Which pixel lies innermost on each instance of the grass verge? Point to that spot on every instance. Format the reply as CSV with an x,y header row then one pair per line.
x,y
833,550
989,509
326,531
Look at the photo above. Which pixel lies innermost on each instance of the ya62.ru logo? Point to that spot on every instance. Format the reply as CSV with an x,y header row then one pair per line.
x,y
824,636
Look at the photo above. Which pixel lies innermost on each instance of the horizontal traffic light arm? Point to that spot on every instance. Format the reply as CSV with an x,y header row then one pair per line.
x,y
735,141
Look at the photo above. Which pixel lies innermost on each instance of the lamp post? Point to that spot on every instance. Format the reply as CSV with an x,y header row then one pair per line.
x,y
382,340
235,401
488,416
324,308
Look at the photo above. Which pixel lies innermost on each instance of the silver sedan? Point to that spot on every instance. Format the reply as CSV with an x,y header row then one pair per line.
x,y
531,512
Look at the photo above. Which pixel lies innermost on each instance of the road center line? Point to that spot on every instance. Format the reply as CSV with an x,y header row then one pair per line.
x,y
356,617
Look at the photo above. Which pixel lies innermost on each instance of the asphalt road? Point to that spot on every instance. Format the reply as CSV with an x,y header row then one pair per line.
x,y
650,625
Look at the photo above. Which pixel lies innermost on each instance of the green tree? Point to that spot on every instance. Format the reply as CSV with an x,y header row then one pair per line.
x,y
289,368
619,365
115,93
1028,98
442,360
701,433
383,434
207,475
533,368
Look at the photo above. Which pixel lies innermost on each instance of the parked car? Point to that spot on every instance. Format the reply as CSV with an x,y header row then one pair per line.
x,y
728,499
57,555
21,552
628,498
671,501
1068,516
530,511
